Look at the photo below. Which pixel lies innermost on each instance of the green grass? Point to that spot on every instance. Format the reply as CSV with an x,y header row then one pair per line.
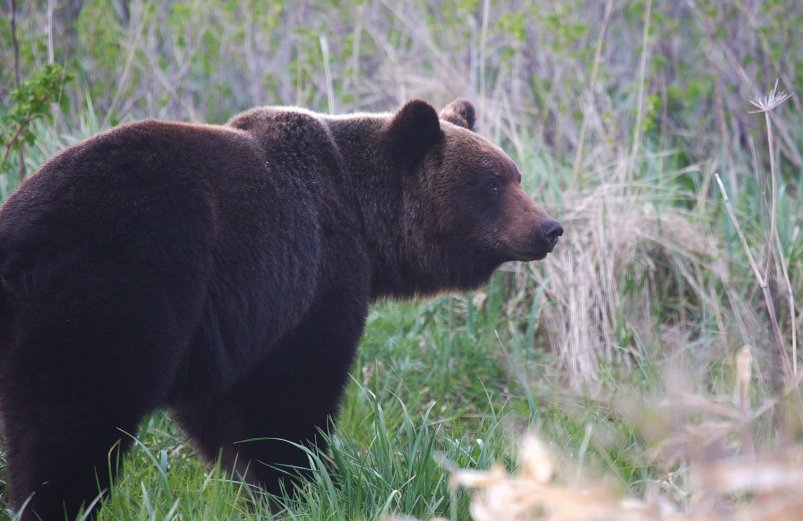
x,y
618,350
432,390
455,381
438,385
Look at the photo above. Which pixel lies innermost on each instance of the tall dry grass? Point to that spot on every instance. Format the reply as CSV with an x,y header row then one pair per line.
x,y
574,74
620,114
715,468
722,455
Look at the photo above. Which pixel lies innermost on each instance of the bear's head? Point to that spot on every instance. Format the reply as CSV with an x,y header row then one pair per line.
x,y
463,212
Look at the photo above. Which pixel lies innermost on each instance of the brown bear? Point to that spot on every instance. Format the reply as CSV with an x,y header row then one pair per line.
x,y
224,273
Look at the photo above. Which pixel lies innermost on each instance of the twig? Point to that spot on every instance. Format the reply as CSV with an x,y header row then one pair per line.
x,y
481,65
51,56
17,79
578,154
327,72
791,298
9,146
642,74
122,81
773,202
776,330
15,43
23,171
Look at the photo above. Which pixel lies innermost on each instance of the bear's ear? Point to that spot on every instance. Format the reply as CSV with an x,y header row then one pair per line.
x,y
412,130
459,112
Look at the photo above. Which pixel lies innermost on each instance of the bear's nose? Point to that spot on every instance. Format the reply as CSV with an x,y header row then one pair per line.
x,y
552,230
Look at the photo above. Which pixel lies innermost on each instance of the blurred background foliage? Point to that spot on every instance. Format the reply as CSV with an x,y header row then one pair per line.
x,y
526,64
618,112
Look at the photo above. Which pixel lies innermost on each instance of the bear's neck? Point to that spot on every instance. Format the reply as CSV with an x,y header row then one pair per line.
x,y
383,202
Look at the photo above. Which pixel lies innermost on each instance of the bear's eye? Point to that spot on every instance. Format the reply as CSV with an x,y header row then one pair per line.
x,y
493,187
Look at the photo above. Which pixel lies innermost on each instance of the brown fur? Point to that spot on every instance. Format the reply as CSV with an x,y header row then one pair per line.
x,y
225,272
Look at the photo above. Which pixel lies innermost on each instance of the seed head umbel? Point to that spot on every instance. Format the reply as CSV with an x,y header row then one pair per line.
x,y
771,101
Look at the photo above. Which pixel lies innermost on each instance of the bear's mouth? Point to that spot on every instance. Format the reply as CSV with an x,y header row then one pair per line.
x,y
542,248
528,256
535,250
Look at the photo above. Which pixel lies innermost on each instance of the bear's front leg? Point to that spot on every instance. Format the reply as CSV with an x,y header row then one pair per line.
x,y
288,397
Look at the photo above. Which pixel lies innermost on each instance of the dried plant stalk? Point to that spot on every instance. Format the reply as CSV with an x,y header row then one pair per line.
x,y
578,154
762,283
791,299
765,105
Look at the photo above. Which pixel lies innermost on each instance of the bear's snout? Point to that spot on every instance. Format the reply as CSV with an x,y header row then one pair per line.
x,y
530,233
551,229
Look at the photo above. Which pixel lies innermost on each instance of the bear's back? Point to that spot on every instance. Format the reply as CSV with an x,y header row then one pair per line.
x,y
155,197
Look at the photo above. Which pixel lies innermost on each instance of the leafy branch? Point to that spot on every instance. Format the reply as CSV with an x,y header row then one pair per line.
x,y
28,103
